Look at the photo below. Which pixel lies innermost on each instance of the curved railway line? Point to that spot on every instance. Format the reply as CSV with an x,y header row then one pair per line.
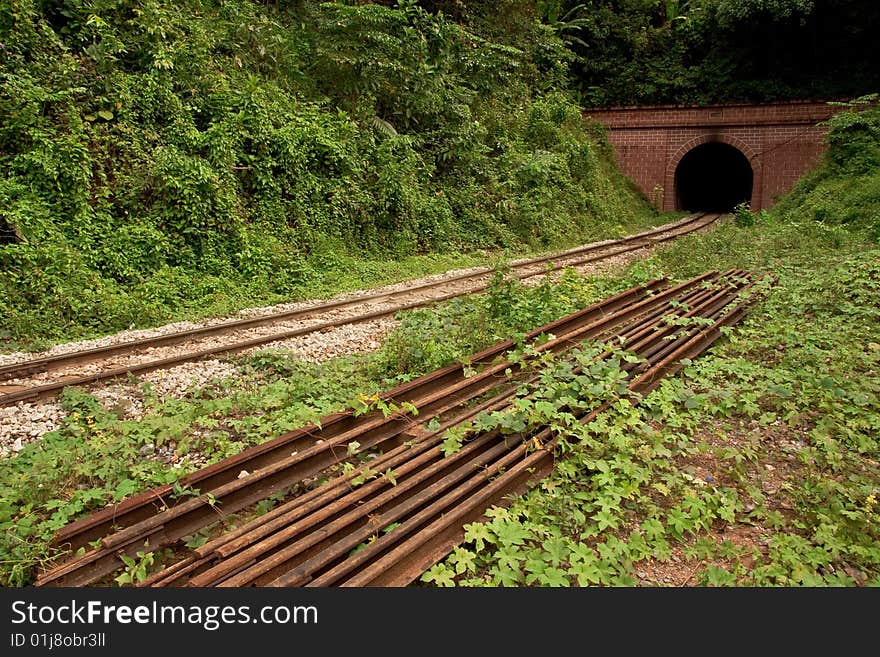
x,y
20,382
386,530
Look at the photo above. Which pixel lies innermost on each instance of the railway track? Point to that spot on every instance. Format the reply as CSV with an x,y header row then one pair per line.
x,y
362,528
22,381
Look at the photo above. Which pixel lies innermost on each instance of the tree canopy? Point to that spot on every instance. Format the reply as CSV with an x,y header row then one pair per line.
x,y
648,51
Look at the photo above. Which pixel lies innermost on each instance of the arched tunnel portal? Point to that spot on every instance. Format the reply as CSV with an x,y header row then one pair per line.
x,y
713,177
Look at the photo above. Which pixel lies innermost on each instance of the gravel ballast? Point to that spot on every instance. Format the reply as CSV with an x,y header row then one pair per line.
x,y
27,422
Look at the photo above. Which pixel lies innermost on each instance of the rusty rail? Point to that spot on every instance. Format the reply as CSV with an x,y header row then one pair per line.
x,y
309,539
594,252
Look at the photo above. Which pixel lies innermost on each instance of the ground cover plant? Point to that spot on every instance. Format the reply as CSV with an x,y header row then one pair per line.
x,y
759,464
167,160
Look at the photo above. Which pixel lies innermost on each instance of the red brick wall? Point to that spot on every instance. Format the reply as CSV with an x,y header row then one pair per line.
x,y
782,141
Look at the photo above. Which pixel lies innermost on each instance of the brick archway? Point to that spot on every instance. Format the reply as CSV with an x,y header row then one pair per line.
x,y
670,191
781,141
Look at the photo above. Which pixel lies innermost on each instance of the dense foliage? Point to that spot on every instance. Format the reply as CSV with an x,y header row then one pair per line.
x,y
171,157
846,189
758,464
672,51
684,475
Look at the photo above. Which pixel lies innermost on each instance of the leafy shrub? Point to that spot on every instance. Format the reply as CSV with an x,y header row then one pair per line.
x,y
845,188
151,143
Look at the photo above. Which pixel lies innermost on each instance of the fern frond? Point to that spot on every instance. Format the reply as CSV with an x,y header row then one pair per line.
x,y
382,126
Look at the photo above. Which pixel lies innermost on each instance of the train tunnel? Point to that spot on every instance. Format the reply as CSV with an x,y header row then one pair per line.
x,y
713,177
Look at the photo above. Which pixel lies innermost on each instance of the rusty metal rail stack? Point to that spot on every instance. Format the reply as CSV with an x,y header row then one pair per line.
x,y
525,269
388,528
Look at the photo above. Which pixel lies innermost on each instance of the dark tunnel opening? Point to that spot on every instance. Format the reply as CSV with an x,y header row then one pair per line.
x,y
713,177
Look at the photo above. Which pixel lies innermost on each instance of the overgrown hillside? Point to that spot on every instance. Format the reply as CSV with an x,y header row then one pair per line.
x,y
758,464
845,190
676,491
163,159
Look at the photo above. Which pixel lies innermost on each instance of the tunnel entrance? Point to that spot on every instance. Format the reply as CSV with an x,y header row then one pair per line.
x,y
713,177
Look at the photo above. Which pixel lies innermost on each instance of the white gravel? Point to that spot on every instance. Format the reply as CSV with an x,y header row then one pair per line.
x,y
126,399
260,311
340,341
218,341
178,381
26,422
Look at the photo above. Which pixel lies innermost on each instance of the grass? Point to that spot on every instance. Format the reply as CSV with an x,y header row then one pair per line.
x,y
328,272
757,465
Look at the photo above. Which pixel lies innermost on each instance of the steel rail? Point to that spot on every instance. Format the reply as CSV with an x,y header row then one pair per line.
x,y
405,562
170,525
48,363
33,393
284,468
268,523
80,533
252,566
225,545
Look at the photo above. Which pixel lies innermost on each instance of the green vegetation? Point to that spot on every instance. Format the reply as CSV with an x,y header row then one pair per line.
x,y
98,455
699,51
758,466
170,159
846,191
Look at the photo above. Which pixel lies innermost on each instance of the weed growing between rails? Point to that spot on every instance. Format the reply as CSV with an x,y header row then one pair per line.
x,y
757,466
103,455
